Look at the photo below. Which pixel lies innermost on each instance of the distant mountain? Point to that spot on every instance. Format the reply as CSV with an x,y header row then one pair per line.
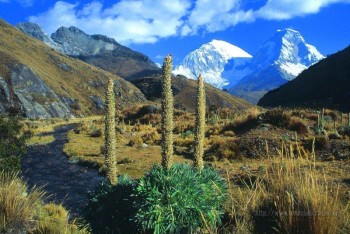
x,y
97,50
323,85
107,54
210,60
39,82
280,59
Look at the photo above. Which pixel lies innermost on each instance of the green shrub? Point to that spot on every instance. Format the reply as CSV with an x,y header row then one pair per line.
x,y
110,208
12,144
180,199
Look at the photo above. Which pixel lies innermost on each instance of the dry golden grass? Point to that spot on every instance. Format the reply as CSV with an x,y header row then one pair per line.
x,y
55,219
286,195
40,140
22,210
17,204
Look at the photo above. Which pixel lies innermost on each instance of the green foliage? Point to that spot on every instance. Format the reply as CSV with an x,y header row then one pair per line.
x,y
110,207
180,199
12,144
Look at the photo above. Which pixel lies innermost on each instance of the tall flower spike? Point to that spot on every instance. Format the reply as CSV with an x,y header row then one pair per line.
x,y
167,114
200,125
110,140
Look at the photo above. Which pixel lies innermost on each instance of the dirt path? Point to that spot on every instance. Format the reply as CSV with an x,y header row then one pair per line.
x,y
67,183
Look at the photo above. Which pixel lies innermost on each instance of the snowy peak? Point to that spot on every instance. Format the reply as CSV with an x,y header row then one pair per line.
x,y
209,60
288,50
280,59
226,50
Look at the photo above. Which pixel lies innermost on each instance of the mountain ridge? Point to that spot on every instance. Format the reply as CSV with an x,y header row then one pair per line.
x,y
98,50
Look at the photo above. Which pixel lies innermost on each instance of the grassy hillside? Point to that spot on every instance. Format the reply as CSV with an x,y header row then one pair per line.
x,y
326,84
67,77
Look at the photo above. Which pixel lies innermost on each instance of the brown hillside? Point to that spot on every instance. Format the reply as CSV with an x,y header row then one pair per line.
x,y
67,77
185,91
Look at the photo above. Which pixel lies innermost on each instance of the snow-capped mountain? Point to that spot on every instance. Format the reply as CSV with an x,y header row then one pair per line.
x,y
280,59
210,60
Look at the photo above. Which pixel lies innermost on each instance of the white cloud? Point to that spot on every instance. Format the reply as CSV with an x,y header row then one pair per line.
x,y
127,21
211,15
147,21
287,9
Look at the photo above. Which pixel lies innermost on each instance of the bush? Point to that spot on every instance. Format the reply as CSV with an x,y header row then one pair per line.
x,y
136,141
110,208
55,219
298,125
17,204
12,144
222,148
277,117
23,211
96,133
322,142
180,199
242,123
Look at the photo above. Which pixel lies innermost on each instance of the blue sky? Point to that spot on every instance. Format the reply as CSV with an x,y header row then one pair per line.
x,y
160,27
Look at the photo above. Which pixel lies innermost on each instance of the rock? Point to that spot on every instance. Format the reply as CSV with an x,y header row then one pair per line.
x,y
5,96
97,83
34,30
64,67
100,104
36,98
75,42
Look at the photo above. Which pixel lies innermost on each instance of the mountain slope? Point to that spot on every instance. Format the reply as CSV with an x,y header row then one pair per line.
x,y
325,84
184,91
43,83
280,59
97,50
210,60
